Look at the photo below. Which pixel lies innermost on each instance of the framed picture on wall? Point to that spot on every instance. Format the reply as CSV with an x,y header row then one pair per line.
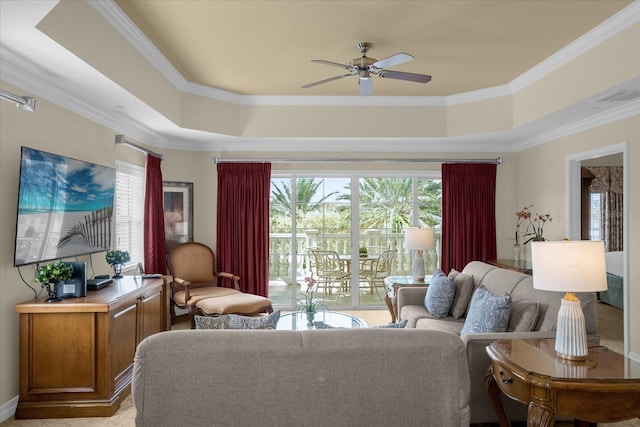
x,y
178,211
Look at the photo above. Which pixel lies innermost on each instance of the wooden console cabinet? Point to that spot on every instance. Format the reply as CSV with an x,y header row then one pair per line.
x,y
76,356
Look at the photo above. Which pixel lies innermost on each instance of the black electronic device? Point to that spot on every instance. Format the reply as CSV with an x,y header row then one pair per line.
x,y
98,283
76,286
65,207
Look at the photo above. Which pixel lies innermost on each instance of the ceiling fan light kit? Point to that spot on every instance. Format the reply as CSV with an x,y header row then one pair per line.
x,y
364,67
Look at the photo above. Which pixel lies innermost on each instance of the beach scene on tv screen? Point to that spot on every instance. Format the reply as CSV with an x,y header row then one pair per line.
x,y
65,207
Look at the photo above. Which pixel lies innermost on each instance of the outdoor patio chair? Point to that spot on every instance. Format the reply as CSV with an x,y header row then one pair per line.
x,y
331,271
380,270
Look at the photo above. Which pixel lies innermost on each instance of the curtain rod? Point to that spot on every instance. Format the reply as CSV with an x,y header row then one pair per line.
x,y
121,139
25,103
496,161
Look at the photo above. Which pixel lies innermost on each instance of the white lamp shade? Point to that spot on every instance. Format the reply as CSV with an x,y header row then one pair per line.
x,y
417,238
569,266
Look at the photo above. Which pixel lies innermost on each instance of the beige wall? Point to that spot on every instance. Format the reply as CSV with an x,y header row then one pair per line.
x,y
541,178
53,129
534,176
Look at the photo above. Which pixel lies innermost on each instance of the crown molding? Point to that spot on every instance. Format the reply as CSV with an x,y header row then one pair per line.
x,y
619,22
21,73
625,111
486,143
110,11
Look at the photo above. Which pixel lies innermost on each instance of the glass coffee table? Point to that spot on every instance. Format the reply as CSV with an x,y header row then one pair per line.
x,y
297,321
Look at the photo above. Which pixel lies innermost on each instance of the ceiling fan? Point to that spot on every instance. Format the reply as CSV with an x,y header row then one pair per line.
x,y
364,67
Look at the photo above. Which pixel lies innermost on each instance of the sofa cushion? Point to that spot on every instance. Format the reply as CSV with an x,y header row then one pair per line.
x,y
236,321
412,313
447,324
439,294
463,290
487,312
524,315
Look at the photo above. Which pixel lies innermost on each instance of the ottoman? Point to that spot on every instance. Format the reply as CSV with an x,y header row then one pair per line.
x,y
236,303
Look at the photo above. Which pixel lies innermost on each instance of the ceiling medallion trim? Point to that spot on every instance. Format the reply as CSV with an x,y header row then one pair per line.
x,y
110,11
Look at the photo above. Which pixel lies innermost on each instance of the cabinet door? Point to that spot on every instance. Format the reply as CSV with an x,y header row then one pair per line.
x,y
125,339
151,314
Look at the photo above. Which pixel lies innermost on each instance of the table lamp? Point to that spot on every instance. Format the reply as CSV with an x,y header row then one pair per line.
x,y
418,239
569,266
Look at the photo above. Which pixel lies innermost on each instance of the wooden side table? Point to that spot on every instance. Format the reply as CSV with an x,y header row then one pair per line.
x,y
603,389
392,283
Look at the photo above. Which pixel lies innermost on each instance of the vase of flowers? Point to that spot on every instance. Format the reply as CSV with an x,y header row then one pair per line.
x,y
308,303
523,216
116,259
534,231
50,275
516,252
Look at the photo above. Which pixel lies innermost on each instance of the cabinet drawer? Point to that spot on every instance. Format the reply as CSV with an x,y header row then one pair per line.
x,y
511,383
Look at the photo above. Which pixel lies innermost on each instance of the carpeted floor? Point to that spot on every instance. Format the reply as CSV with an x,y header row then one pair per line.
x,y
609,321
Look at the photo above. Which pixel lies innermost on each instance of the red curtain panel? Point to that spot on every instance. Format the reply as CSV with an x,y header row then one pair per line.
x,y
154,240
242,240
468,214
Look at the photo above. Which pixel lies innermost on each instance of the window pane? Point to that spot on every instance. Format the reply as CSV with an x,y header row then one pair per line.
x,y
129,210
596,217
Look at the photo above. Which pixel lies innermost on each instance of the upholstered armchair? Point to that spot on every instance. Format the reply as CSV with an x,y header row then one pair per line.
x,y
195,285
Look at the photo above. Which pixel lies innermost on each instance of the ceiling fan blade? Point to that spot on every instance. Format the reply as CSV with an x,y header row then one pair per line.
x,y
400,75
392,60
335,64
326,80
366,86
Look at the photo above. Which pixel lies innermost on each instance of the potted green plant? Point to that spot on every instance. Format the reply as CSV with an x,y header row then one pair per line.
x,y
50,275
363,252
116,259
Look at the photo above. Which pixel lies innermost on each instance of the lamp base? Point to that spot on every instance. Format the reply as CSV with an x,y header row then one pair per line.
x,y
571,335
418,267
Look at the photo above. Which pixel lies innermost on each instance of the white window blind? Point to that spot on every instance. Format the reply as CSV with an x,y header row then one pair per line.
x,y
129,210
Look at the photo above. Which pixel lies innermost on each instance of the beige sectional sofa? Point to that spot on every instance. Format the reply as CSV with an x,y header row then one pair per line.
x,y
331,377
499,281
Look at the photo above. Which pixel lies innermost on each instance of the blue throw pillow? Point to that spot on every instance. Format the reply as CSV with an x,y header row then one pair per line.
x,y
440,294
487,312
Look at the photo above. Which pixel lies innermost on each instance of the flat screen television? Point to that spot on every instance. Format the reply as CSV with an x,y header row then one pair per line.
x,y
65,207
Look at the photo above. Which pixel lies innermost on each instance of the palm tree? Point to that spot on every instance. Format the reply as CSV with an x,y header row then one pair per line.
x,y
306,189
386,203
430,202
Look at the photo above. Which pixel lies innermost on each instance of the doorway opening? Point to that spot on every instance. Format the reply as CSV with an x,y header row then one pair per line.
x,y
582,210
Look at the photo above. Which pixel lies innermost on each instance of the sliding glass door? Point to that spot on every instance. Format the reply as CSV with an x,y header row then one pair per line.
x,y
357,220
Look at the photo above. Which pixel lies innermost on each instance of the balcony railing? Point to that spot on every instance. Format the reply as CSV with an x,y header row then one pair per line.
x,y
281,264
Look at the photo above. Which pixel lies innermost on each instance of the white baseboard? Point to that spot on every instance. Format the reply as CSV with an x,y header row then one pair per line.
x,y
8,409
